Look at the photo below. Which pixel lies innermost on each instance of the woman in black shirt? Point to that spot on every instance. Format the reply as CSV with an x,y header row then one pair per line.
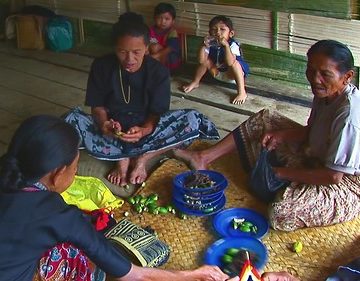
x,y
40,163
129,93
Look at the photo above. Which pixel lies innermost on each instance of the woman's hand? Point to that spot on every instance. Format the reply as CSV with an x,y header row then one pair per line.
x,y
210,273
110,128
204,273
271,140
134,134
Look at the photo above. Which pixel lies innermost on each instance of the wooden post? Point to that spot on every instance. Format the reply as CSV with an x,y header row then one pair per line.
x,y
290,31
275,30
127,5
81,30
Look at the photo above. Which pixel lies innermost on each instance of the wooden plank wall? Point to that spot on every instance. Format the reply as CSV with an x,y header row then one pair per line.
x,y
297,32
275,37
328,8
103,11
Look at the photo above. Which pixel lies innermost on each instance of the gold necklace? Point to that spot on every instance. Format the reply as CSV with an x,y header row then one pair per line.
x,y
126,100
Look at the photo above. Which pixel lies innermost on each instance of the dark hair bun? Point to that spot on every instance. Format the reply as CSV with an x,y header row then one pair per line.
x,y
11,172
130,24
130,17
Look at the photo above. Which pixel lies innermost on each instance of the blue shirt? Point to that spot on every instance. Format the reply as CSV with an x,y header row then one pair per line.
x,y
217,56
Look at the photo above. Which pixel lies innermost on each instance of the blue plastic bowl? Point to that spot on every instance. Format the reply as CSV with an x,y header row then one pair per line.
x,y
183,197
202,196
199,205
222,223
184,209
220,183
215,252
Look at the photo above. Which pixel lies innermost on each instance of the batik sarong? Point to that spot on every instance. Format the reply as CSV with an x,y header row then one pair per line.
x,y
299,205
175,127
65,262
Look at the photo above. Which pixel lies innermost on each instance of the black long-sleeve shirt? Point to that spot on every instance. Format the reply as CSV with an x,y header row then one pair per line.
x,y
34,222
147,90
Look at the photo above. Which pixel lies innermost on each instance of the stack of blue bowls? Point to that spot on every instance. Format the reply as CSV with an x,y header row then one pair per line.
x,y
199,201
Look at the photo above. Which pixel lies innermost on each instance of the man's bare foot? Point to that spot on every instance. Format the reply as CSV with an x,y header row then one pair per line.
x,y
139,174
240,99
118,175
278,276
188,88
192,158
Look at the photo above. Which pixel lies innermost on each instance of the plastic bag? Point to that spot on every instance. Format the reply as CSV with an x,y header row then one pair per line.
x,y
263,181
89,193
59,34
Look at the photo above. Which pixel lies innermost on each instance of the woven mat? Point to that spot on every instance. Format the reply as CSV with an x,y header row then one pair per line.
x,y
324,248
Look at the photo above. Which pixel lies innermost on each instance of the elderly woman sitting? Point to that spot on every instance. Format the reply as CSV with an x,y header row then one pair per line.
x,y
324,169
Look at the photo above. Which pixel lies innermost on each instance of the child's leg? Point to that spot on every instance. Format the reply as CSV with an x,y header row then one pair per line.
x,y
238,75
200,72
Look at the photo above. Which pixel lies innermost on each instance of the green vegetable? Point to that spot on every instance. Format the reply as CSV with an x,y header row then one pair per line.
x,y
208,210
154,211
143,201
169,208
131,200
232,252
226,259
137,199
154,197
150,201
235,225
163,210
297,247
152,205
138,209
247,223
245,228
182,216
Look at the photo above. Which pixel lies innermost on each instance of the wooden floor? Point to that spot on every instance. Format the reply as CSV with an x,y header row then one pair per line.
x,y
43,82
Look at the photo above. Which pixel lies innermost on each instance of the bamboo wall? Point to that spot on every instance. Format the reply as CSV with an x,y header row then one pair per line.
x,y
275,37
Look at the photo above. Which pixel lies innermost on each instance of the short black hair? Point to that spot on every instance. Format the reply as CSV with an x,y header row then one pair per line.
x,y
227,21
336,51
130,24
163,8
40,145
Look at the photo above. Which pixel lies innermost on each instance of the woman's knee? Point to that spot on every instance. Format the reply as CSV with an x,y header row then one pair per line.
x,y
284,218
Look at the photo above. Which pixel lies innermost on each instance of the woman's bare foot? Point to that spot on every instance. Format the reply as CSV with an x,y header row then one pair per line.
x,y
118,175
188,88
139,174
192,158
278,276
240,99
